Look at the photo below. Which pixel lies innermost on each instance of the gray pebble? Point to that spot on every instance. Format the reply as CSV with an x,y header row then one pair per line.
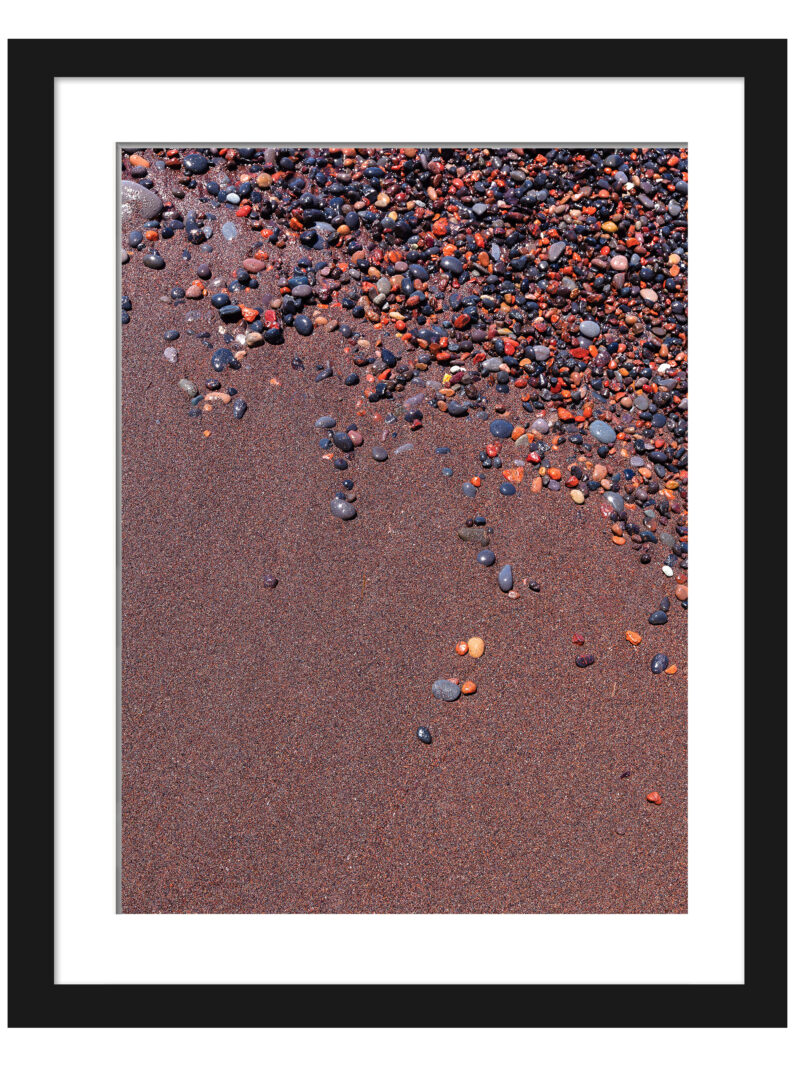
x,y
139,204
444,690
602,432
379,454
188,387
505,578
342,509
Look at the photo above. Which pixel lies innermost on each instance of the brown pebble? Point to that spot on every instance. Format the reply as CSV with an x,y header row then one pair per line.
x,y
476,647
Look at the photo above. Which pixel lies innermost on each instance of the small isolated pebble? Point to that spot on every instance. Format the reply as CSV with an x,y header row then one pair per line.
x,y
513,594
342,509
424,734
379,454
633,637
270,581
672,669
486,557
443,689
154,261
668,571
239,407
462,648
505,578
468,688
584,661
577,496
659,663
578,639
476,647
658,618
188,387
654,798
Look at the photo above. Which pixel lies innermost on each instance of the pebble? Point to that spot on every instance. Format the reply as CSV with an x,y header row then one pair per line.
x,y
342,509
424,734
486,557
602,432
505,578
154,261
577,496
443,689
633,637
476,647
501,428
270,581
659,663
138,203
585,660
188,387
380,455
658,618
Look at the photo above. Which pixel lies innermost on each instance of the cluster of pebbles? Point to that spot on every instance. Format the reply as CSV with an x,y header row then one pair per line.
x,y
539,297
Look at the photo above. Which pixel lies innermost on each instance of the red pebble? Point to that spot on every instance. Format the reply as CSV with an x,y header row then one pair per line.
x,y
578,639
654,798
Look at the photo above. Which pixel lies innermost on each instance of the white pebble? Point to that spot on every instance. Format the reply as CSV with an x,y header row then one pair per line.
x,y
667,570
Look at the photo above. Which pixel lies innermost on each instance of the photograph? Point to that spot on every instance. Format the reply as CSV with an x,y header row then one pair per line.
x,y
404,555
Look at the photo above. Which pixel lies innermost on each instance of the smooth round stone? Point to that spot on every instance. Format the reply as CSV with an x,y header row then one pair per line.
x,y
154,261
556,250
589,329
188,387
455,409
194,163
507,489
540,425
505,578
171,355
444,690
342,509
424,734
447,472
577,496
325,422
616,502
602,432
501,428
229,230
343,442
380,455
658,618
618,263
270,581
541,353
303,325
451,264
486,557
476,647
469,490
659,663
239,407
139,204
668,571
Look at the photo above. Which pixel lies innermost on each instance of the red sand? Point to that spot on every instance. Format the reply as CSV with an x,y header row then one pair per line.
x,y
269,758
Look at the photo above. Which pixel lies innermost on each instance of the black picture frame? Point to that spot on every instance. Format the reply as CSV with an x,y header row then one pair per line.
x,y
35,1000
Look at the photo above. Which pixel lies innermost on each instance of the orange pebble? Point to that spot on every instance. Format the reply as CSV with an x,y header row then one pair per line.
x,y
654,798
462,648
475,481
618,540
633,637
672,669
468,687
